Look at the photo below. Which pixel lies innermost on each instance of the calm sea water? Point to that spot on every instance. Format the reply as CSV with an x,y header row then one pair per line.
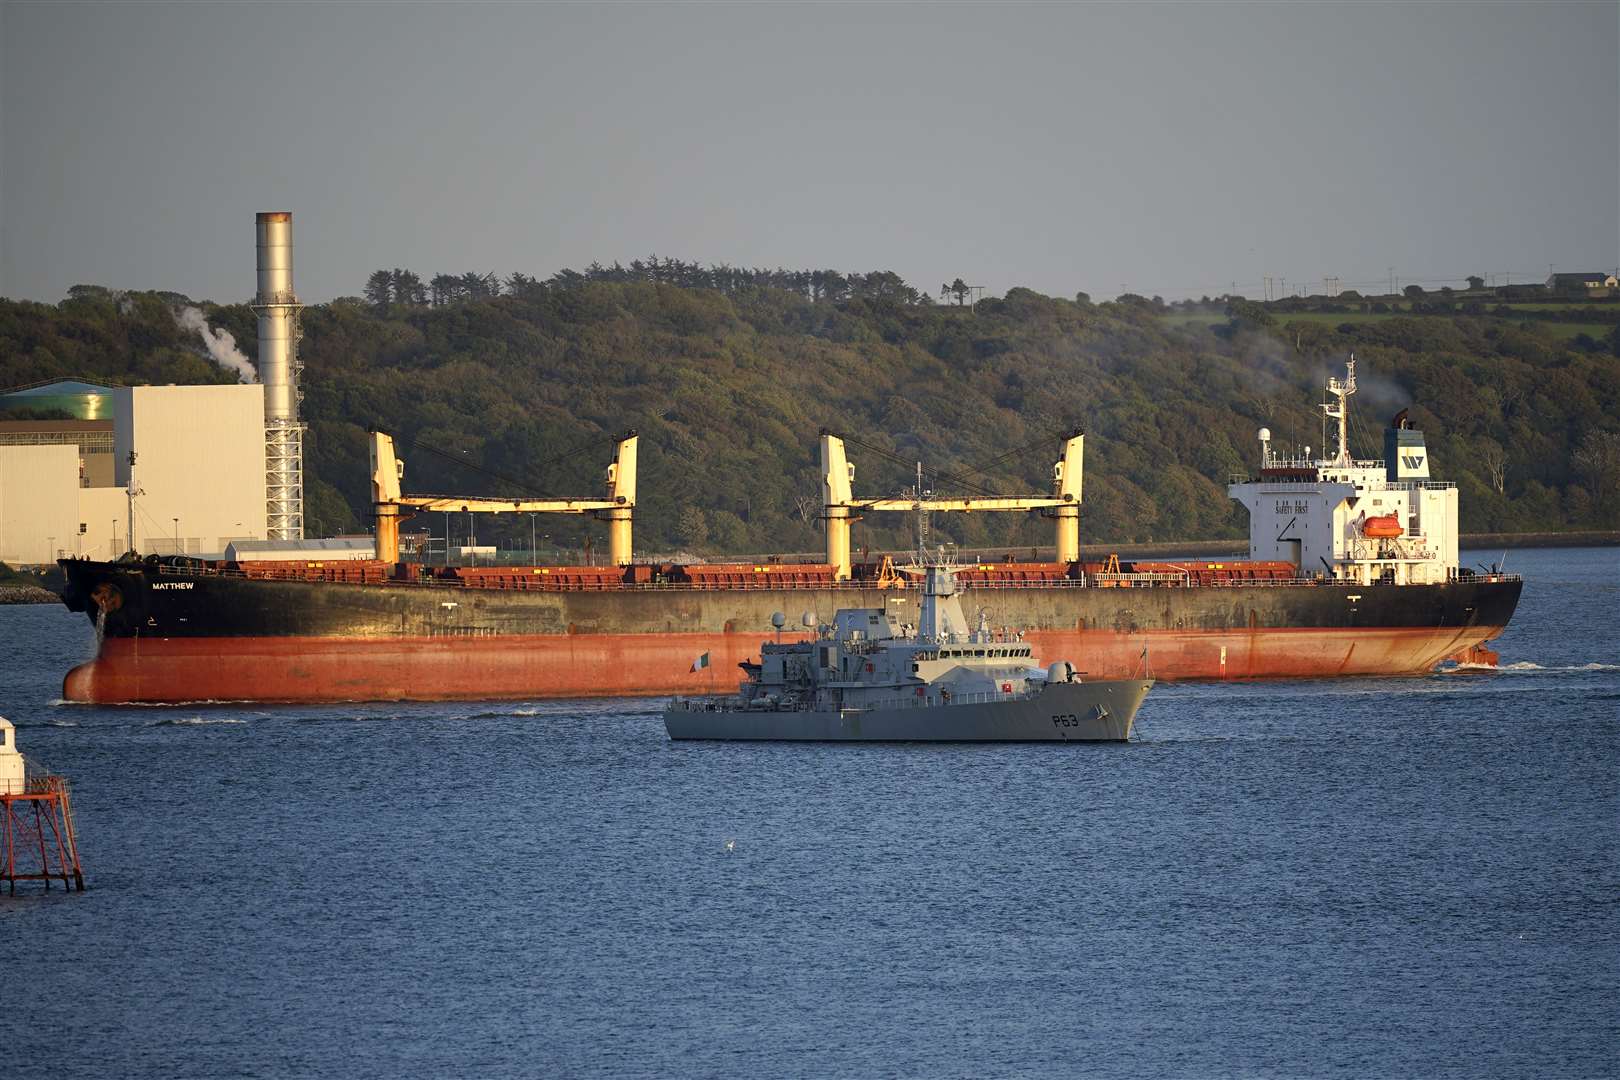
x,y
1415,877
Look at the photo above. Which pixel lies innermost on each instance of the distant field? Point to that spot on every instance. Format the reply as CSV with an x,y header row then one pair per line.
x,y
1335,318
1589,306
1195,318
1562,331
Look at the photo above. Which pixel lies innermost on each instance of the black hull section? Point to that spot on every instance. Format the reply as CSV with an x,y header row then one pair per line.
x,y
145,600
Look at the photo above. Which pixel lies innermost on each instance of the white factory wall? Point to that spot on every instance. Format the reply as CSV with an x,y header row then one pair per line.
x,y
103,512
200,458
39,503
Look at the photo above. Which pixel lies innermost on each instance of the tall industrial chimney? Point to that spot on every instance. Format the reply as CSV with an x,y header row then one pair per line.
x,y
278,308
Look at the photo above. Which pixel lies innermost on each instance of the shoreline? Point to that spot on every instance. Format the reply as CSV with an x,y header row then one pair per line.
x,y
27,594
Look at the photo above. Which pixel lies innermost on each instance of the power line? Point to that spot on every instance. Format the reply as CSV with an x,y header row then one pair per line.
x,y
937,474
524,486
958,479
1058,432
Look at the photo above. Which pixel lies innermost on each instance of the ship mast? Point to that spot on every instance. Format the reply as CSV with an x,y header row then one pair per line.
x,y
131,491
919,494
1339,410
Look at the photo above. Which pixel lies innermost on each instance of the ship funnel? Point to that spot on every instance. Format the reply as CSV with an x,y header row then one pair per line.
x,y
278,309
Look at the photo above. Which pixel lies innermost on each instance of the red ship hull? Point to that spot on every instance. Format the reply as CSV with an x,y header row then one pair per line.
x,y
293,669
177,633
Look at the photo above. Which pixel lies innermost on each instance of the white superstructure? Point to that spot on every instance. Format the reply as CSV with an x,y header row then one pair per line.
x,y
1350,519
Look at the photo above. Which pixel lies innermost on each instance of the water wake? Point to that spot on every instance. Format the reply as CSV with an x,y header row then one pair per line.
x,y
503,714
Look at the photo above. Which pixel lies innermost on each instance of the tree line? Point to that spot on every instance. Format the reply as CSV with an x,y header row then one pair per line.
x,y
387,288
729,386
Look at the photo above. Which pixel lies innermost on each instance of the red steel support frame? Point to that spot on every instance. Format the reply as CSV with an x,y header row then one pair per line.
x,y
52,811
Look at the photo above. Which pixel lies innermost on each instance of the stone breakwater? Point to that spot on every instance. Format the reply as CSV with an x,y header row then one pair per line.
x,y
27,594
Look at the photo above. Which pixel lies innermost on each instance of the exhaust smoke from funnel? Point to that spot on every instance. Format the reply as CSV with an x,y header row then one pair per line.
x,y
221,344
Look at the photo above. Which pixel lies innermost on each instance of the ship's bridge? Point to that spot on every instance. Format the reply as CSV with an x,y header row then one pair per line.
x,y
865,624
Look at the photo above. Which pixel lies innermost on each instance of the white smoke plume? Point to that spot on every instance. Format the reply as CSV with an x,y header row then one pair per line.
x,y
221,344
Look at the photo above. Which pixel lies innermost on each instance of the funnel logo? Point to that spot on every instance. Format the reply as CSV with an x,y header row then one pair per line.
x,y
1405,455
1411,462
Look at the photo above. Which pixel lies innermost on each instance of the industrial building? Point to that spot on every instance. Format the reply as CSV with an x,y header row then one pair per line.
x,y
92,441
39,502
162,469
198,477
198,469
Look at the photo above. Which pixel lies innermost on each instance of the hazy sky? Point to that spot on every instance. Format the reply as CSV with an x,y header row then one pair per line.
x,y
1170,148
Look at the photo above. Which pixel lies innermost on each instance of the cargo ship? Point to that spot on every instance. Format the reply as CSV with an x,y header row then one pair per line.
x,y
1352,571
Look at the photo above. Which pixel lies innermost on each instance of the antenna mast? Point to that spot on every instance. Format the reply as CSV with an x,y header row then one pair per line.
x,y
919,494
132,490
1340,410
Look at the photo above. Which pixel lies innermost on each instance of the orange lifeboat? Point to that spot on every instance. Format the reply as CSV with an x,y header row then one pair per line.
x,y
1385,527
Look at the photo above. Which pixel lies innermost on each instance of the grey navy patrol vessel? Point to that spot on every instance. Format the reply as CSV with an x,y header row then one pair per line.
x,y
865,677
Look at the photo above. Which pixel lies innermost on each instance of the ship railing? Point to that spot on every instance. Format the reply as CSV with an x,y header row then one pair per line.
x,y
925,701
1130,580
1270,483
945,700
1179,580
525,584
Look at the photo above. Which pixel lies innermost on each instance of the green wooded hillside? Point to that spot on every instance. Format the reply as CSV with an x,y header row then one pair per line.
x,y
729,379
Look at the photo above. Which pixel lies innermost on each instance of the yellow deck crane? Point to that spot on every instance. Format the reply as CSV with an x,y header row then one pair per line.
x,y
838,503
387,471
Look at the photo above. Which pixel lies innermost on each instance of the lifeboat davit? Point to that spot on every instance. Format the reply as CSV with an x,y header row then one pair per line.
x,y
1384,527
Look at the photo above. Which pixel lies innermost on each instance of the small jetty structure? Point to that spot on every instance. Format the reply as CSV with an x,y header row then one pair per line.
x,y
37,841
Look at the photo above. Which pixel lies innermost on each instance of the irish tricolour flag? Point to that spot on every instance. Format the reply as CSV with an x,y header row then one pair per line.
x,y
701,662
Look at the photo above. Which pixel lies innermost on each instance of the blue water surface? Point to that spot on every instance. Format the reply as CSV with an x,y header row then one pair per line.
x,y
1412,877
